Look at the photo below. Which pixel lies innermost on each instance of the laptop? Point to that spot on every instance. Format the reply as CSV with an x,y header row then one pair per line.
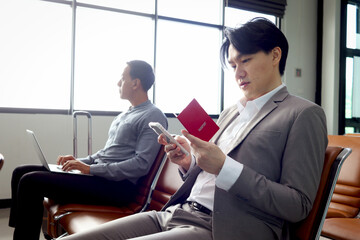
x,y
50,167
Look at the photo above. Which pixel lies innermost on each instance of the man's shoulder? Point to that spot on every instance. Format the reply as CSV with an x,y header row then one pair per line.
x,y
154,114
152,108
300,102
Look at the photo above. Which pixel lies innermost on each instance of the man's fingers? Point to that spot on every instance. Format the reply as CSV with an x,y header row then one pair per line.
x,y
162,139
194,140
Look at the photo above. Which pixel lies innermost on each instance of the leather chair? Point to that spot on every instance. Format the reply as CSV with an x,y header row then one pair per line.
x,y
342,220
57,211
310,227
345,202
164,186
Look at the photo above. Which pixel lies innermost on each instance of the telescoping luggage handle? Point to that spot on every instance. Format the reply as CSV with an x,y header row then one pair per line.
x,y
75,114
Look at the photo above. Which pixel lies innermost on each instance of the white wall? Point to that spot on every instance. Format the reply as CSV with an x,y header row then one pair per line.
x,y
55,131
331,63
300,28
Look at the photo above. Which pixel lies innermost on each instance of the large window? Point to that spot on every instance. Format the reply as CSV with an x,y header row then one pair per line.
x,y
35,54
65,55
350,79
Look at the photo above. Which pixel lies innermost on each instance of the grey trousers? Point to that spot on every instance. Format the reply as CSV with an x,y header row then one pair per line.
x,y
177,222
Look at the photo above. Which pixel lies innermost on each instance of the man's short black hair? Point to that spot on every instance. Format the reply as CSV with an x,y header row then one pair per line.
x,y
143,71
258,34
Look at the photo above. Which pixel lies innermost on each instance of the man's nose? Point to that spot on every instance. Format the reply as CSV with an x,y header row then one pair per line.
x,y
240,73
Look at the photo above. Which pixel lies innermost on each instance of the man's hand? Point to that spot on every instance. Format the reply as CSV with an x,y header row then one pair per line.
x,y
209,157
63,159
174,153
69,163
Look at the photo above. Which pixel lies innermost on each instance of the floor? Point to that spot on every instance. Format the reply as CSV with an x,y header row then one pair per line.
x,y
5,230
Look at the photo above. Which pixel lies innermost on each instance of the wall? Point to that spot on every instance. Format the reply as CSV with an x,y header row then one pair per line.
x,y
300,28
331,63
55,131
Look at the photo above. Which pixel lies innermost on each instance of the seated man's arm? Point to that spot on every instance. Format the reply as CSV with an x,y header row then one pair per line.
x,y
143,153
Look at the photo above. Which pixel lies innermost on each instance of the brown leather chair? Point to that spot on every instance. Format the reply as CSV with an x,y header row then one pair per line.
x,y
57,211
310,227
345,202
342,220
165,185
342,228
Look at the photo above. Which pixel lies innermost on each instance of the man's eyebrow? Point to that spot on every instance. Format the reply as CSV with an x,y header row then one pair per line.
x,y
238,56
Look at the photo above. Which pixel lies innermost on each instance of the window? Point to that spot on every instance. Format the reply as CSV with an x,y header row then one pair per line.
x,y
104,43
64,55
349,119
35,54
187,66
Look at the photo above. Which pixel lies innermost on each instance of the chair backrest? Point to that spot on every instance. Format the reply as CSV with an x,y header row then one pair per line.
x,y
165,185
144,185
310,227
345,201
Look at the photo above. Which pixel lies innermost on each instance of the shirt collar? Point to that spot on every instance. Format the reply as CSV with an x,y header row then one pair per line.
x,y
260,101
147,102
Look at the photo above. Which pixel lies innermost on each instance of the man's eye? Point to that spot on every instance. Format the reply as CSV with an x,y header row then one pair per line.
x,y
245,60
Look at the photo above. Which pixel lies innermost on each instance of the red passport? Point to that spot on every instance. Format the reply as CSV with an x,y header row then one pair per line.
x,y
197,122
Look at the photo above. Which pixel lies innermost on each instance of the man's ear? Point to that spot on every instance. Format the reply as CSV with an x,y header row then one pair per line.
x,y
276,53
136,83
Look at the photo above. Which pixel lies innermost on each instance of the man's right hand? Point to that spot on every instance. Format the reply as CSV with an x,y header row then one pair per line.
x,y
174,153
63,159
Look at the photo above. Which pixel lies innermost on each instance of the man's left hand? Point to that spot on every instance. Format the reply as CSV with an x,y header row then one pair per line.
x,y
209,157
76,165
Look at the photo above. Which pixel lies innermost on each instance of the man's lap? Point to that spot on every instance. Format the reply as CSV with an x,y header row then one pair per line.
x,y
74,187
175,223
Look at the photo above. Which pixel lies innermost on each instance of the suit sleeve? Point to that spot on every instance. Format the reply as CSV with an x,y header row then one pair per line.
x,y
291,196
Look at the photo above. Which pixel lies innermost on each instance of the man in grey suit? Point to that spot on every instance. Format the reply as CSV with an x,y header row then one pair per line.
x,y
261,170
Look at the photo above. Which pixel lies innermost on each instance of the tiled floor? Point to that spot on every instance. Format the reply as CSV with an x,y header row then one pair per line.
x,y
5,230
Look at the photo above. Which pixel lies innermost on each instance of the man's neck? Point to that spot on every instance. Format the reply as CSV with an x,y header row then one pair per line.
x,y
139,100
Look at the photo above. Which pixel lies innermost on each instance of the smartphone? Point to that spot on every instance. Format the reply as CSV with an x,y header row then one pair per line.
x,y
159,129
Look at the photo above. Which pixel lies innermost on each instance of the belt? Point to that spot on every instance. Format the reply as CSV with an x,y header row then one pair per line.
x,y
198,207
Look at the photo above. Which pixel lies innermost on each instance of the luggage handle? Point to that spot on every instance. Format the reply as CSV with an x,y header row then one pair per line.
x,y
88,115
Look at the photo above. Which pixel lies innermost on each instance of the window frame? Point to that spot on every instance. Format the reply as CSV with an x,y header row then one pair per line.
x,y
345,52
74,4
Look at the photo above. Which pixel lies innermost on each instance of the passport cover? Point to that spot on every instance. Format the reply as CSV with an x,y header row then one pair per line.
x,y
197,122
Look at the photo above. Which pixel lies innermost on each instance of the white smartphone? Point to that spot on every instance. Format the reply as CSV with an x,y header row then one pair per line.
x,y
159,129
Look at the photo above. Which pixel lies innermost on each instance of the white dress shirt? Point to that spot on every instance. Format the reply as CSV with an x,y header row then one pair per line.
x,y
204,187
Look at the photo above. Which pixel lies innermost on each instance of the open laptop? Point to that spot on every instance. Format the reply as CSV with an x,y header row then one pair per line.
x,y
50,167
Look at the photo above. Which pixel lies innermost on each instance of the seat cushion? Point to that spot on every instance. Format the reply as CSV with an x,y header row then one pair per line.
x,y
341,228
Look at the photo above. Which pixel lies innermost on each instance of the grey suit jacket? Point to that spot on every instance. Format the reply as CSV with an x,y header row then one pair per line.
x,y
282,150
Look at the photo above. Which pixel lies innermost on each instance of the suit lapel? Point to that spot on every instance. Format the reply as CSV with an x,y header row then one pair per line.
x,y
264,111
224,123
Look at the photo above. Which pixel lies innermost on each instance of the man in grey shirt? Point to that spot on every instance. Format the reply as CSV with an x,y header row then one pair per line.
x,y
114,170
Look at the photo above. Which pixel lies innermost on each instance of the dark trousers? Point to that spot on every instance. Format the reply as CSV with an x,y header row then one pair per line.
x,y
30,184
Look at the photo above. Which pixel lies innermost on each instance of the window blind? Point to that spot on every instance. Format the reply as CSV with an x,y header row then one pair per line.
x,y
272,7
